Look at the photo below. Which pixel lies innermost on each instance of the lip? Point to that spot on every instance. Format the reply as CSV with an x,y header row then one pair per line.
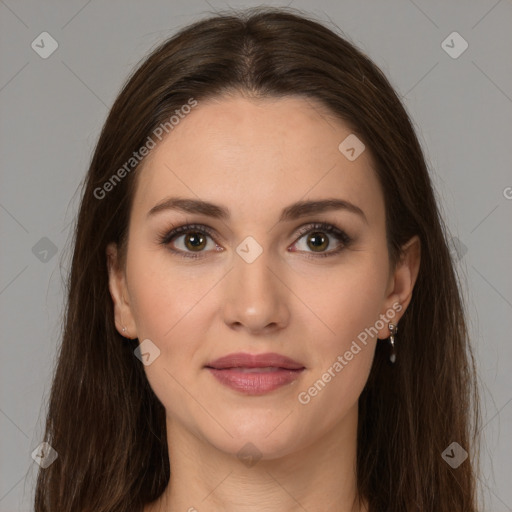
x,y
255,374
244,360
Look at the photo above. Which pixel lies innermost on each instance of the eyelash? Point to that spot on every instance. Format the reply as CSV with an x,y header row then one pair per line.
x,y
168,236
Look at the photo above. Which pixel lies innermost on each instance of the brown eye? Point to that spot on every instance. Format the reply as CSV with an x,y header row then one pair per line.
x,y
317,241
190,241
195,241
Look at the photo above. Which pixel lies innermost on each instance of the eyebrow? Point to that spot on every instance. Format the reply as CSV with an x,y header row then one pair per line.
x,y
292,212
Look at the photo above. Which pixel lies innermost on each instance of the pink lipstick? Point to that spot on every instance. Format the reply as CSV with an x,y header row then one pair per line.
x,y
255,374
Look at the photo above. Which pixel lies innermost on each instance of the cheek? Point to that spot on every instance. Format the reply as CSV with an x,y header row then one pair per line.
x,y
343,356
348,353
163,297
347,302
358,306
168,310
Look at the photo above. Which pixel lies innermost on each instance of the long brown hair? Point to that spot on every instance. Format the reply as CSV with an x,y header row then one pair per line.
x,y
105,422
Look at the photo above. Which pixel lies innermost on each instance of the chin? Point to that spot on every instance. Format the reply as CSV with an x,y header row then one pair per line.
x,y
258,440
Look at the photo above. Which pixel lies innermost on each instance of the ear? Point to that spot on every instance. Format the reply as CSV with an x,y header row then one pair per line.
x,y
119,292
401,284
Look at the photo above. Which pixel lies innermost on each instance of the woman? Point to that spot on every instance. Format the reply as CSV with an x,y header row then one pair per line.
x,y
262,312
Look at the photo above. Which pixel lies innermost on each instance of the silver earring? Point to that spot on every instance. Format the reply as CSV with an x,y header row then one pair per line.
x,y
124,329
393,328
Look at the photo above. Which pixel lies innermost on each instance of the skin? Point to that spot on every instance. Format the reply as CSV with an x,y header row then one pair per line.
x,y
256,157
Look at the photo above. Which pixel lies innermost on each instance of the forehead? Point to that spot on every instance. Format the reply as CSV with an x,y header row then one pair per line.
x,y
258,155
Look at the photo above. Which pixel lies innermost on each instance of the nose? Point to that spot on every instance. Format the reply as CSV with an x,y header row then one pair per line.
x,y
256,296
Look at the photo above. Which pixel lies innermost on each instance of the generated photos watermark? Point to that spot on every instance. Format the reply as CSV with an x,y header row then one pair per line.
x,y
158,133
305,397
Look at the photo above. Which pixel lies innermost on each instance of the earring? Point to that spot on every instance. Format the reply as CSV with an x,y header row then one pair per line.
x,y
393,330
124,329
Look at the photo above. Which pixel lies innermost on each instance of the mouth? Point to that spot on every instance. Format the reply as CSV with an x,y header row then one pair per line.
x,y
255,374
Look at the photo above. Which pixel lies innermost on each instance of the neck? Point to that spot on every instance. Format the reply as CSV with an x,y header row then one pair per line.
x,y
318,477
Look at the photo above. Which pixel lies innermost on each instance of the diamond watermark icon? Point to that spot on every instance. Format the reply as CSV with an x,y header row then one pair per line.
x,y
44,250
457,249
351,147
249,455
249,249
44,45
44,455
454,45
147,352
455,455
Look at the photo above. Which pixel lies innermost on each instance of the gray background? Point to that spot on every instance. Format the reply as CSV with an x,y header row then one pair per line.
x,y
52,110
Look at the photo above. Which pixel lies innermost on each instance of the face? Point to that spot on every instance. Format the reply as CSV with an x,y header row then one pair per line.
x,y
314,285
